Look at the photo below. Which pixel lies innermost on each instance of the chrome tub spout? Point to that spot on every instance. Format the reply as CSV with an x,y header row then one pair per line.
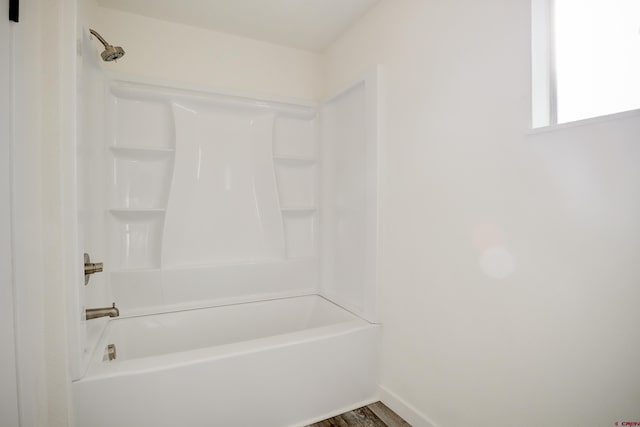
x,y
94,313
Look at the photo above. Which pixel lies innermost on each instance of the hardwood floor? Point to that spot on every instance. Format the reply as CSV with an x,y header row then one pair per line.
x,y
374,415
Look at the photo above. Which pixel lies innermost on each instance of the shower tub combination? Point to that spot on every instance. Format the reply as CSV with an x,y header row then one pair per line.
x,y
286,362
239,242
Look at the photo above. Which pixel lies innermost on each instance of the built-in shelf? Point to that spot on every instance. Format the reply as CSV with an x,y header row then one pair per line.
x,y
140,152
136,238
294,209
126,211
293,160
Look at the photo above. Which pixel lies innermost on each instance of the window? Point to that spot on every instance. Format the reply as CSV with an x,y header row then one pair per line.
x,y
586,59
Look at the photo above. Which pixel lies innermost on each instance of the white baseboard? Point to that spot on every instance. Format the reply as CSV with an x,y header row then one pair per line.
x,y
404,409
338,411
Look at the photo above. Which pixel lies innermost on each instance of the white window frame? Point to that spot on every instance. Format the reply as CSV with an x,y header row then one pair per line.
x,y
544,94
544,91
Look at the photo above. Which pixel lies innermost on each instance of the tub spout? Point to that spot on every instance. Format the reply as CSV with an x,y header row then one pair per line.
x,y
94,313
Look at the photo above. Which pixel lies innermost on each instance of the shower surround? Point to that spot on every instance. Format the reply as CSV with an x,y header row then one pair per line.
x,y
240,237
214,199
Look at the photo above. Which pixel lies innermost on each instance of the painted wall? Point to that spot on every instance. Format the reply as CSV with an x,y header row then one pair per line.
x,y
38,88
27,214
168,51
510,259
8,369
58,56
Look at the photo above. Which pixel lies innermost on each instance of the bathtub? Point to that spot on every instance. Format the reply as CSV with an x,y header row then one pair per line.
x,y
286,362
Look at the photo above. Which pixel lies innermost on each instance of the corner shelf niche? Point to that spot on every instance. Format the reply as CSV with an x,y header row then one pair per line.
x,y
140,177
295,159
140,152
301,232
136,238
141,160
300,209
141,121
140,212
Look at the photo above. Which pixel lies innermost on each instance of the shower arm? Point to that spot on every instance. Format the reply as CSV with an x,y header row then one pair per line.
x,y
99,37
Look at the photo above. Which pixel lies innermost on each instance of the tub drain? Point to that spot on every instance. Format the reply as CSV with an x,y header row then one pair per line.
x,y
111,351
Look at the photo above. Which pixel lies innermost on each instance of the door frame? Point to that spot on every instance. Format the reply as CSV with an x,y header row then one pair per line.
x,y
9,396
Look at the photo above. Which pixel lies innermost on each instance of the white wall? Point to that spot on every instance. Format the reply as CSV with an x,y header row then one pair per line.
x,y
170,52
58,56
27,212
541,329
38,86
8,369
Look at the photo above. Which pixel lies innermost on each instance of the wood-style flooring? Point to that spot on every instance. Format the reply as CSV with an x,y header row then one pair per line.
x,y
374,415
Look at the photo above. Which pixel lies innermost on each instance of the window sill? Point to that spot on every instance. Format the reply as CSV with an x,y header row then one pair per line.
x,y
586,122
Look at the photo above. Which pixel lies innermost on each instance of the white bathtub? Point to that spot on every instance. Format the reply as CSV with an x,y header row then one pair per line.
x,y
277,363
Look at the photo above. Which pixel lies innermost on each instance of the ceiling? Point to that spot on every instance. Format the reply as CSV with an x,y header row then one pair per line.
x,y
304,24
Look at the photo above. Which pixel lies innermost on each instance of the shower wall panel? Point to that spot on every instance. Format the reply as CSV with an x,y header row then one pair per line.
x,y
350,198
90,204
223,206
213,198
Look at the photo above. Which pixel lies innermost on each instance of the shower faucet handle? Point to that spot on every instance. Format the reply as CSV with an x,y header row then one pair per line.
x,y
90,268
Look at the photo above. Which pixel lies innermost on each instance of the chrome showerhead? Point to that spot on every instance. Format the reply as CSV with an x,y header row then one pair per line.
x,y
111,53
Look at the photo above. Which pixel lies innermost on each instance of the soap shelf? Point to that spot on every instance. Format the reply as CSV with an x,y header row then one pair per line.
x,y
295,209
127,211
140,152
136,236
293,160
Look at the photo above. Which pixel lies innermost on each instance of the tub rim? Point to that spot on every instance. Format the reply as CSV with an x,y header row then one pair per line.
x,y
99,368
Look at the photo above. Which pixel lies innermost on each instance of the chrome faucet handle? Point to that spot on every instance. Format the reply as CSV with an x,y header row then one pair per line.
x,y
90,268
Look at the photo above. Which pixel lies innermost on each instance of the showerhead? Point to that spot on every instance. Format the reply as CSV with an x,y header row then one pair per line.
x,y
111,53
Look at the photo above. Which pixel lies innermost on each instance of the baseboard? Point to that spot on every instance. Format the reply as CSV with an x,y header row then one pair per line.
x,y
404,409
342,410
